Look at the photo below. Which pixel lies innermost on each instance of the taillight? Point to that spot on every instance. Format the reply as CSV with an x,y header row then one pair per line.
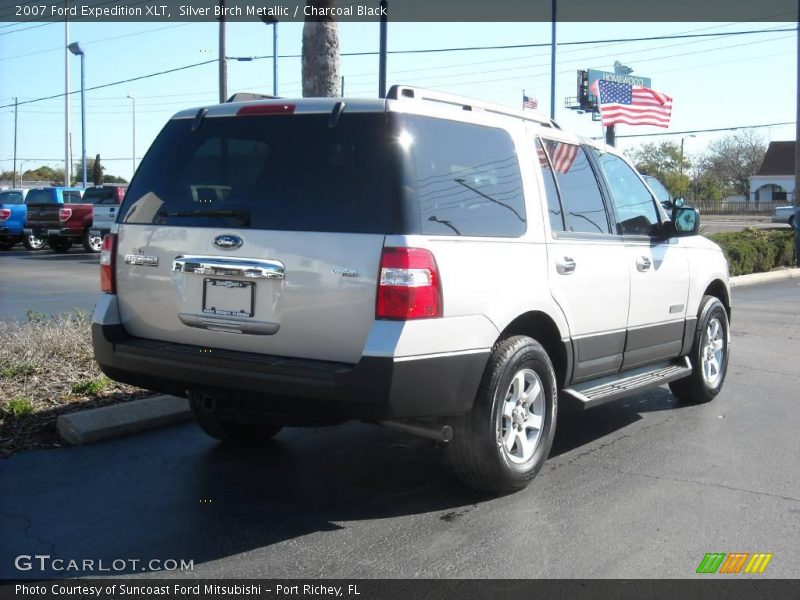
x,y
108,276
64,214
409,286
4,213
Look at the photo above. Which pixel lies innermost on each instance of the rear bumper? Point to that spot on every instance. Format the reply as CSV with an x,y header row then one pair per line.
x,y
45,232
375,388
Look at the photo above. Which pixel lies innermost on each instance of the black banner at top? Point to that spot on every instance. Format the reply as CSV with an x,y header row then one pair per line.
x,y
597,11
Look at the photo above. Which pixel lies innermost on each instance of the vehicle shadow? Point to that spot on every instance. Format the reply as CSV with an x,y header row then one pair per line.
x,y
52,257
175,493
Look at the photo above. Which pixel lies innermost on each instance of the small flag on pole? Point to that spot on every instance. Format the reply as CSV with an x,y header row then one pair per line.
x,y
633,105
529,102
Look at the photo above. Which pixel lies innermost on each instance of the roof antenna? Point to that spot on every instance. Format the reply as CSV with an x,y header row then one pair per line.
x,y
337,111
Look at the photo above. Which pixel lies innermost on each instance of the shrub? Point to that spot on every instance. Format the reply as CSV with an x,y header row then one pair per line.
x,y
18,407
756,250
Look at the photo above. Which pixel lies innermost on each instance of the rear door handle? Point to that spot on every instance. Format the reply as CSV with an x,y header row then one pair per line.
x,y
565,266
643,264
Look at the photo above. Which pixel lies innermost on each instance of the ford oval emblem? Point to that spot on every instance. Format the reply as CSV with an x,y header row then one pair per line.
x,y
228,242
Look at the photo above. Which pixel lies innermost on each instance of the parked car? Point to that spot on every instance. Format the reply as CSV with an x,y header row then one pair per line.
x,y
105,200
786,214
446,267
60,215
13,216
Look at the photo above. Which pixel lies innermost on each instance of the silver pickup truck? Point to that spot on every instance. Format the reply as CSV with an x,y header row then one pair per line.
x,y
106,199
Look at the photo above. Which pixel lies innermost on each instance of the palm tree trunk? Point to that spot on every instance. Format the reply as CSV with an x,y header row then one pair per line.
x,y
320,53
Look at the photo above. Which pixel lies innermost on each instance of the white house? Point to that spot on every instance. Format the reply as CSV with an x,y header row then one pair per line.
x,y
774,181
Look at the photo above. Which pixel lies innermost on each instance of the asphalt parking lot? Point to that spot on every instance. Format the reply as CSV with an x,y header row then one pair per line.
x,y
46,282
638,489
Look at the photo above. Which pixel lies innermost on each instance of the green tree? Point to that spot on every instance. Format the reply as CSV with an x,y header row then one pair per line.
x,y
664,162
320,62
90,162
97,171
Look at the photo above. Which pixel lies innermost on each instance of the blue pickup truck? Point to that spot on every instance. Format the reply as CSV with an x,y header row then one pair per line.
x,y
13,218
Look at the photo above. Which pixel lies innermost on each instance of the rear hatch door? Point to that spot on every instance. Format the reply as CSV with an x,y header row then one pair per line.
x,y
258,233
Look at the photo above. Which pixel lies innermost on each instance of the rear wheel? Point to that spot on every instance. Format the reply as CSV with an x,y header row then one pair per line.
x,y
32,242
59,244
228,431
502,443
92,243
709,355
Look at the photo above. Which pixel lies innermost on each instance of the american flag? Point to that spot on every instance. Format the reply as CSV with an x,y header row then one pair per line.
x,y
529,102
633,105
562,155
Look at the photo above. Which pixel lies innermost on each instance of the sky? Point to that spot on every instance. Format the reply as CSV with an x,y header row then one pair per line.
x,y
718,82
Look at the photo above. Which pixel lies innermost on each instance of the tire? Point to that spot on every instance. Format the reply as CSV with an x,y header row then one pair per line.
x,y
31,242
231,432
480,452
59,244
709,355
92,243
6,244
792,222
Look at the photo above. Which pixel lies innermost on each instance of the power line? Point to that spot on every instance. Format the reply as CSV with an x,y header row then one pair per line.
x,y
430,50
634,135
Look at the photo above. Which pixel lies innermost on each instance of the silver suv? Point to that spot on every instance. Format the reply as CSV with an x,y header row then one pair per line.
x,y
454,269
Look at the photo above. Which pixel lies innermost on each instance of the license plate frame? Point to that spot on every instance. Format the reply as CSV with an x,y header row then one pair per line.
x,y
213,288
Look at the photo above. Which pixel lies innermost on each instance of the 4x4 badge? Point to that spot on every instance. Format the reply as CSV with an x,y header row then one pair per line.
x,y
228,242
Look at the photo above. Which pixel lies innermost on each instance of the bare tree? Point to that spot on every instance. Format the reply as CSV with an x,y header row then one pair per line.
x,y
732,160
320,52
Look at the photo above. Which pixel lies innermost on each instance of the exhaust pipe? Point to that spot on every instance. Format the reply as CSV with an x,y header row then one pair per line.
x,y
431,431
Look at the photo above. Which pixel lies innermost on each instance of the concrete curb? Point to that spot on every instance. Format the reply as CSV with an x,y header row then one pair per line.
x,y
754,278
107,422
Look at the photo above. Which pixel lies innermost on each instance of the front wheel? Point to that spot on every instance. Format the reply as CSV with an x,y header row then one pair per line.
x,y
92,243
59,244
502,443
32,242
709,355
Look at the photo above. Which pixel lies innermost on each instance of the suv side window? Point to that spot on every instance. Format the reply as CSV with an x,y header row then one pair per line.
x,y
468,178
550,189
584,210
634,206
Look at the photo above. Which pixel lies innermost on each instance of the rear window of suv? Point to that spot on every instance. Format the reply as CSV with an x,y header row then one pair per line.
x,y
279,172
41,197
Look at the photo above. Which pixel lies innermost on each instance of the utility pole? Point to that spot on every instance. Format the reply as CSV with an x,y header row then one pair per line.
x,y
14,184
133,136
223,59
382,51
796,200
611,137
342,91
67,165
553,62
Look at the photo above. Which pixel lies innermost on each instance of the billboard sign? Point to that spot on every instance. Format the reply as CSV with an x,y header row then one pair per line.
x,y
595,75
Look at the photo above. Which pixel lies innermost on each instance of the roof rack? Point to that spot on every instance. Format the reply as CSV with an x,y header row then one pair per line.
x,y
406,92
245,96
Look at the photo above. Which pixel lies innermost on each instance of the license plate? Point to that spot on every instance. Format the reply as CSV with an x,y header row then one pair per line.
x,y
228,297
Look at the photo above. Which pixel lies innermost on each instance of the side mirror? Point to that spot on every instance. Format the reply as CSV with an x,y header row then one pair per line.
x,y
686,221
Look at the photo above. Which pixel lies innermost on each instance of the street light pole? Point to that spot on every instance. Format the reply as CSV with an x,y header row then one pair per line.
x,y
553,61
76,49
270,20
133,151
382,49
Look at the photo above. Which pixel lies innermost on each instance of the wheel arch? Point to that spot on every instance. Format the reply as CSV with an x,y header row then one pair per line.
x,y
541,327
719,290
